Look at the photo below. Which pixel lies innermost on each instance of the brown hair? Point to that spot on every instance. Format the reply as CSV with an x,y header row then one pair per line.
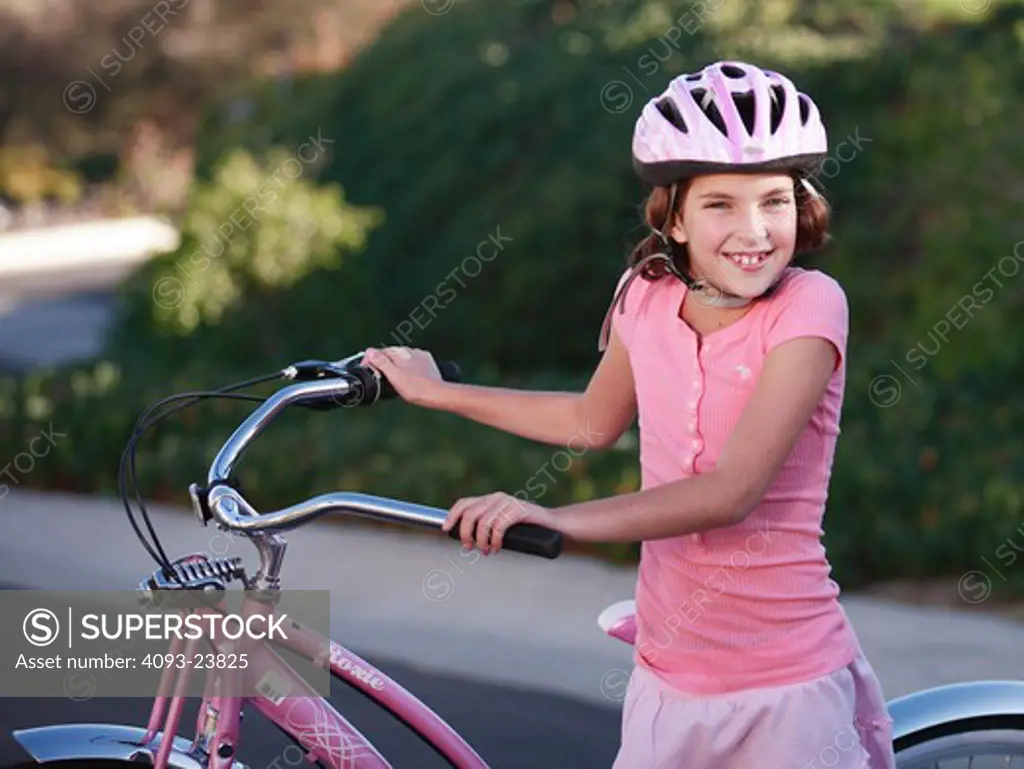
x,y
813,218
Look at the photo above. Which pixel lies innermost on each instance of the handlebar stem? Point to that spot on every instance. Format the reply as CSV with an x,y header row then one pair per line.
x,y
271,548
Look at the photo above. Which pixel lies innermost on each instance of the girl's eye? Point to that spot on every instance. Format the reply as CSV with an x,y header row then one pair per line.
x,y
778,202
717,204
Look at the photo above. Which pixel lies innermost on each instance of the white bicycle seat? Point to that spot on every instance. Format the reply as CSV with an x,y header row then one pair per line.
x,y
615,613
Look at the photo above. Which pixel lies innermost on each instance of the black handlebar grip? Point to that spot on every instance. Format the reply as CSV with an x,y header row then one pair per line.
x,y
449,370
528,538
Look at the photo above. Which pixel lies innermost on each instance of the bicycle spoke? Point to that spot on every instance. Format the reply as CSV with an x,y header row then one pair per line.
x,y
981,749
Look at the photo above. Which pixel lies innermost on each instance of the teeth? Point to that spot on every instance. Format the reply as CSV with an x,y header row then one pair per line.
x,y
746,259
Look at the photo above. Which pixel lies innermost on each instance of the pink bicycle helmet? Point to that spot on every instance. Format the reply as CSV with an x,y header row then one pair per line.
x,y
729,116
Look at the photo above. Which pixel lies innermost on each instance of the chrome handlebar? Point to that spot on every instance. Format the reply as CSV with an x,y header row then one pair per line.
x,y
221,502
231,509
255,423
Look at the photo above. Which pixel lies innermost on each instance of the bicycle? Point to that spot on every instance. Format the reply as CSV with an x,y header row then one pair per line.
x,y
980,719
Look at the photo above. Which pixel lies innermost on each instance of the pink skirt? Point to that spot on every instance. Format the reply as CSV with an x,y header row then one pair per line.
x,y
837,721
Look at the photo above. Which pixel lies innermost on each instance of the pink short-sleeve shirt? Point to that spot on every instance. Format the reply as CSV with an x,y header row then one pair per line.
x,y
750,605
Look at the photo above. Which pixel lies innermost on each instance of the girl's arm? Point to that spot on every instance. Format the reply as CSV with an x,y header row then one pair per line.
x,y
776,414
595,418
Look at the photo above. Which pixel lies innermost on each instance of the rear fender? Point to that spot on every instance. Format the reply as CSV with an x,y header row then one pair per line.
x,y
931,709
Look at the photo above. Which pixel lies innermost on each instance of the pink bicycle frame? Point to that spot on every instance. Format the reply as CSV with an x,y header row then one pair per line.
x,y
291,702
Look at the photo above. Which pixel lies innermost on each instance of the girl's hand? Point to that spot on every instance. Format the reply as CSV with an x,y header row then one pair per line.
x,y
412,372
484,520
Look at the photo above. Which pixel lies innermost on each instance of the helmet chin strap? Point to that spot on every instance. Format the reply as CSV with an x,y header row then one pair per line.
x,y
710,292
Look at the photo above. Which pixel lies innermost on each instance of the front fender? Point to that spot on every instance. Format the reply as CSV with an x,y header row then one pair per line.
x,y
109,742
929,708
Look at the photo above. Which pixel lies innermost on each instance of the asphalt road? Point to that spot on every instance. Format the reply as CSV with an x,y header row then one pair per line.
x,y
512,728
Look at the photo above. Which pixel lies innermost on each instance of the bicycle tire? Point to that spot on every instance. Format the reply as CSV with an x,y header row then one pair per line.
x,y
969,742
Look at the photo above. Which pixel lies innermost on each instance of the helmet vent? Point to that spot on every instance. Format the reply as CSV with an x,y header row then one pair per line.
x,y
704,98
696,76
745,106
671,113
805,109
731,70
778,106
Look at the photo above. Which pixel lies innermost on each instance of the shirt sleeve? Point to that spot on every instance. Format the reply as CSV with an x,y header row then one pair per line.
x,y
814,306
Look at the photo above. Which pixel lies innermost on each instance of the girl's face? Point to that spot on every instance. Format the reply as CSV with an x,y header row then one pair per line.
x,y
740,229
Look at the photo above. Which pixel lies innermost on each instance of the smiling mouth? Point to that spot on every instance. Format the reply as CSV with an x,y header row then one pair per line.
x,y
749,259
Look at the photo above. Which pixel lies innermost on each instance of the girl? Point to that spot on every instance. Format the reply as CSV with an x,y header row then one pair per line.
x,y
734,362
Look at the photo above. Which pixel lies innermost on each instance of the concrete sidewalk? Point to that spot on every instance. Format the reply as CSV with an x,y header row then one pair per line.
x,y
57,286
510,619
99,243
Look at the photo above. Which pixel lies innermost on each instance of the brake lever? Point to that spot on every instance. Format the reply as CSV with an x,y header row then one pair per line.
x,y
308,370
314,369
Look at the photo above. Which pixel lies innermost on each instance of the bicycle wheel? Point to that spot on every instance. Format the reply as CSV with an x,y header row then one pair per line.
x,y
973,749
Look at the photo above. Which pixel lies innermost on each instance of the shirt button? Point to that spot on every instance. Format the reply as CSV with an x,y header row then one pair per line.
x,y
693,405
697,444
692,427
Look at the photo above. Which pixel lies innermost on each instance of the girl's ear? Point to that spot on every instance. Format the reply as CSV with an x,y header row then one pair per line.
x,y
676,230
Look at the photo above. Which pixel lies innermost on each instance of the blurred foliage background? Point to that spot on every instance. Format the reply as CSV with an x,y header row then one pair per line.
x,y
335,169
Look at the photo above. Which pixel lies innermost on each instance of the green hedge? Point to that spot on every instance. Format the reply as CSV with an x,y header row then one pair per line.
x,y
391,449
258,229
488,121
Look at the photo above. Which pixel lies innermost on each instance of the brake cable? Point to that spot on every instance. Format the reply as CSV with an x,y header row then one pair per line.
x,y
315,368
128,456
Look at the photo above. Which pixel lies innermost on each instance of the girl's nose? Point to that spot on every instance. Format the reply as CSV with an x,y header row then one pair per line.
x,y
755,226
